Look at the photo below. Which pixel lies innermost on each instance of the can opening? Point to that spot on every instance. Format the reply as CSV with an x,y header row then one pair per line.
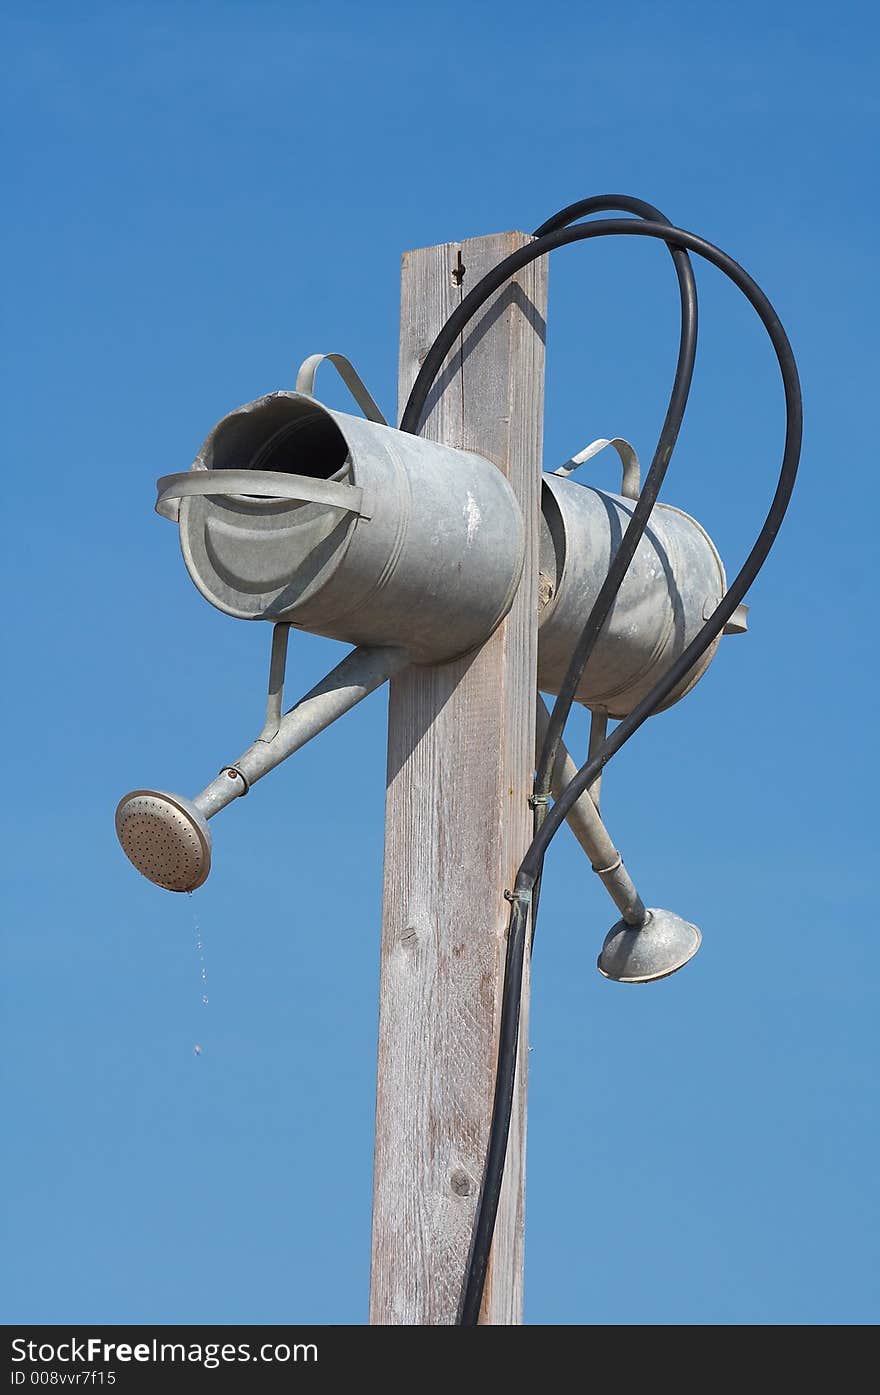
x,y
551,549
288,435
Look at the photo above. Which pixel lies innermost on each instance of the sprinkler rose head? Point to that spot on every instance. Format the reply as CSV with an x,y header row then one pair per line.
x,y
165,837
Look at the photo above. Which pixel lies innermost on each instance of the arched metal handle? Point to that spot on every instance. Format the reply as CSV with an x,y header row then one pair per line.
x,y
632,475
263,484
305,382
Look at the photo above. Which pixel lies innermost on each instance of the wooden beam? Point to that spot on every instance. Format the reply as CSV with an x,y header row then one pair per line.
x,y
460,769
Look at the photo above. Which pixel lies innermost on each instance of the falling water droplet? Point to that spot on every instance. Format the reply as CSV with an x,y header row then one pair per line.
x,y
203,972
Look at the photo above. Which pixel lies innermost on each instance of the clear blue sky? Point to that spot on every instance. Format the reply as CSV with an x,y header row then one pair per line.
x,y
197,196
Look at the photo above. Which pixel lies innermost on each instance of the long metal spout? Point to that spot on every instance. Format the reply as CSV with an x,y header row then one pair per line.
x,y
166,837
359,674
587,826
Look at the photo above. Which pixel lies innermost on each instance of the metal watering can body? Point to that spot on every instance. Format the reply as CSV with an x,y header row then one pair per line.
x,y
413,543
673,584
377,537
412,552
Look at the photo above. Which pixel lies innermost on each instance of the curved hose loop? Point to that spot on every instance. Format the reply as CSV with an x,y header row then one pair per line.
x,y
598,203
647,497
625,552
530,867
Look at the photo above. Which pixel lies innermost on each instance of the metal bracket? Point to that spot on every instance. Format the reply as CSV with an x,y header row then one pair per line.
x,y
598,732
522,897
305,383
234,770
275,695
632,474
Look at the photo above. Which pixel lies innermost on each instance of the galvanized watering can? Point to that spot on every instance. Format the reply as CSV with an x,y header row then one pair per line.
x,y
411,551
348,528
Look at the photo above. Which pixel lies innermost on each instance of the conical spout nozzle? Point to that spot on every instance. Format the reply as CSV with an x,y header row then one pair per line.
x,y
656,949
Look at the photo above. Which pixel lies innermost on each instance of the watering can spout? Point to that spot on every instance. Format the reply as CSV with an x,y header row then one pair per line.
x,y
166,836
643,953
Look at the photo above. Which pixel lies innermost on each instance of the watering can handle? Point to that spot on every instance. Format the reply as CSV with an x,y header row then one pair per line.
x,y
628,459
305,383
262,484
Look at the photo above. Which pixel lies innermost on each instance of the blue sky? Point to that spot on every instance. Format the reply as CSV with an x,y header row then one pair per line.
x,y
199,195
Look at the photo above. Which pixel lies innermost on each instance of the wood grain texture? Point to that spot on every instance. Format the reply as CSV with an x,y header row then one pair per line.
x,y
460,769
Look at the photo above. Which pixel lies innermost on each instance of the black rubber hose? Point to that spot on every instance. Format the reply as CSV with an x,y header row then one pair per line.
x,y
531,865
618,568
605,203
625,552
649,492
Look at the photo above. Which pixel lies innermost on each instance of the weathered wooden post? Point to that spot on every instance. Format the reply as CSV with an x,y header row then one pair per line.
x,y
460,770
